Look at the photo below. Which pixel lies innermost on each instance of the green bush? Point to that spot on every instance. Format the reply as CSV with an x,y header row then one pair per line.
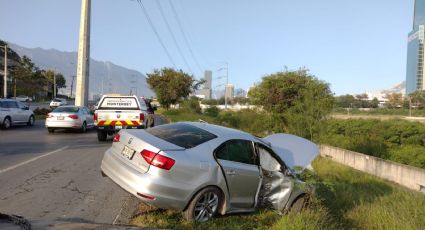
x,y
42,111
212,111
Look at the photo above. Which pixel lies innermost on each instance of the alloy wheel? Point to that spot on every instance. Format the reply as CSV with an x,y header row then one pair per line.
x,y
206,207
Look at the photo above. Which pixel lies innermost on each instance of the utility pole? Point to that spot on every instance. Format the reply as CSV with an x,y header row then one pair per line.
x,y
72,84
82,88
5,73
54,85
225,88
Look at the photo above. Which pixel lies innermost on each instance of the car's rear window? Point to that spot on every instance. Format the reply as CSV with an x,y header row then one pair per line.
x,y
119,103
66,110
183,135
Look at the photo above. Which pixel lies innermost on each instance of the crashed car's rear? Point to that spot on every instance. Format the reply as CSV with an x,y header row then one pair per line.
x,y
203,169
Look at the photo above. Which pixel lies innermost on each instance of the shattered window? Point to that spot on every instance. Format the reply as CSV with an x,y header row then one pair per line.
x,y
267,161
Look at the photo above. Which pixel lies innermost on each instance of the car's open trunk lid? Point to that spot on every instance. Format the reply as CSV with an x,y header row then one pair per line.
x,y
293,150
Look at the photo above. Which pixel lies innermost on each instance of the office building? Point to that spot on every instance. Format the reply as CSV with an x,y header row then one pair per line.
x,y
206,91
415,50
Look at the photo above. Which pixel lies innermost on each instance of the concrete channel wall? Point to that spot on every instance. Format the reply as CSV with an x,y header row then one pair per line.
x,y
408,176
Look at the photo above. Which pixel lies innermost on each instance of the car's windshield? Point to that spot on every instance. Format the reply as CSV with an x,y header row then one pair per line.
x,y
183,135
66,110
57,100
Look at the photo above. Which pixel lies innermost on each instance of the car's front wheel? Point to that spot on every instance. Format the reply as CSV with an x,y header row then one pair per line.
x,y
299,204
31,121
204,205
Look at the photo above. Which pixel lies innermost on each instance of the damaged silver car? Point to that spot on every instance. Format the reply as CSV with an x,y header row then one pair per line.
x,y
204,169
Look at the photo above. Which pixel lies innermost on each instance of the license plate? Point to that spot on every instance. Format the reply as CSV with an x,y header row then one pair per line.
x,y
60,118
128,152
118,127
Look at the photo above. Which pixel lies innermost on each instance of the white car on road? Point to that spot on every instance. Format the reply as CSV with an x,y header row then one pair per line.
x,y
69,117
13,112
57,102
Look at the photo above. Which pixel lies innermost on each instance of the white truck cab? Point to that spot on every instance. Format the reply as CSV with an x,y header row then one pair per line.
x,y
116,112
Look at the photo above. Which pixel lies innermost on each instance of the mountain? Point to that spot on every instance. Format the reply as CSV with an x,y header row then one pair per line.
x,y
105,76
380,94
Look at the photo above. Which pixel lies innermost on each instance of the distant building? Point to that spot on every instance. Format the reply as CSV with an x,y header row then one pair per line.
x,y
415,50
229,91
206,91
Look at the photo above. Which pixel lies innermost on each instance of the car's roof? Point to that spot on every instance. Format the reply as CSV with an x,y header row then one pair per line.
x,y
221,131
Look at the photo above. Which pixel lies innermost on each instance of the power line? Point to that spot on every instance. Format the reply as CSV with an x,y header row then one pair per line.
x,y
184,34
158,2
155,31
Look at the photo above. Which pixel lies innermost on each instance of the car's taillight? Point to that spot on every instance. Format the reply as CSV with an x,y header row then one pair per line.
x,y
73,116
95,116
49,115
117,138
142,117
157,159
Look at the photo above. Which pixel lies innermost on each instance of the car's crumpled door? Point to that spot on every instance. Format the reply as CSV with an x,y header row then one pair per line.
x,y
276,187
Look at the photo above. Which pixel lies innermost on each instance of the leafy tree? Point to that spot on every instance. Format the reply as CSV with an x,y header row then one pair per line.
x,y
345,101
171,85
418,99
60,80
395,100
374,103
297,101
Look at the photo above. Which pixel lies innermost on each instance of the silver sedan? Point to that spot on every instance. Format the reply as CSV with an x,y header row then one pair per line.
x,y
204,169
69,117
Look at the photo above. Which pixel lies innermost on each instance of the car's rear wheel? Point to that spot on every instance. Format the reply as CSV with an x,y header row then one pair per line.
x,y
101,136
50,130
84,127
204,205
31,121
7,123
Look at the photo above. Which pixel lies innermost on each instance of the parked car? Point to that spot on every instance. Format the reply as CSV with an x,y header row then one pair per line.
x,y
204,169
13,112
69,117
23,98
57,102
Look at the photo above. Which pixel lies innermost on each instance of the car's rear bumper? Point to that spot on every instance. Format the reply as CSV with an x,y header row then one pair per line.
x,y
64,124
167,193
115,128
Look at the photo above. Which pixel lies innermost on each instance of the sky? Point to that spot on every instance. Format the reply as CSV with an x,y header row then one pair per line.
x,y
355,46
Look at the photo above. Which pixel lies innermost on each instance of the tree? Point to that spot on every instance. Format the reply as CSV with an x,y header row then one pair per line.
x,y
60,80
395,100
171,85
297,101
345,101
417,99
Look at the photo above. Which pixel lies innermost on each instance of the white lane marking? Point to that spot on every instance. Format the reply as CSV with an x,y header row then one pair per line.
x,y
119,213
31,160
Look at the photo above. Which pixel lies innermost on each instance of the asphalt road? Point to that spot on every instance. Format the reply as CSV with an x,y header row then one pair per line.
x,y
56,177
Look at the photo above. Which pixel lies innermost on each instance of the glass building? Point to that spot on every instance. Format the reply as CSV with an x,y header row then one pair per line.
x,y
415,50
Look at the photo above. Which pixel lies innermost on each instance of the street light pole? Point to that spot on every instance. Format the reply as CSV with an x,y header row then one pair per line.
x,y
54,84
5,72
227,83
